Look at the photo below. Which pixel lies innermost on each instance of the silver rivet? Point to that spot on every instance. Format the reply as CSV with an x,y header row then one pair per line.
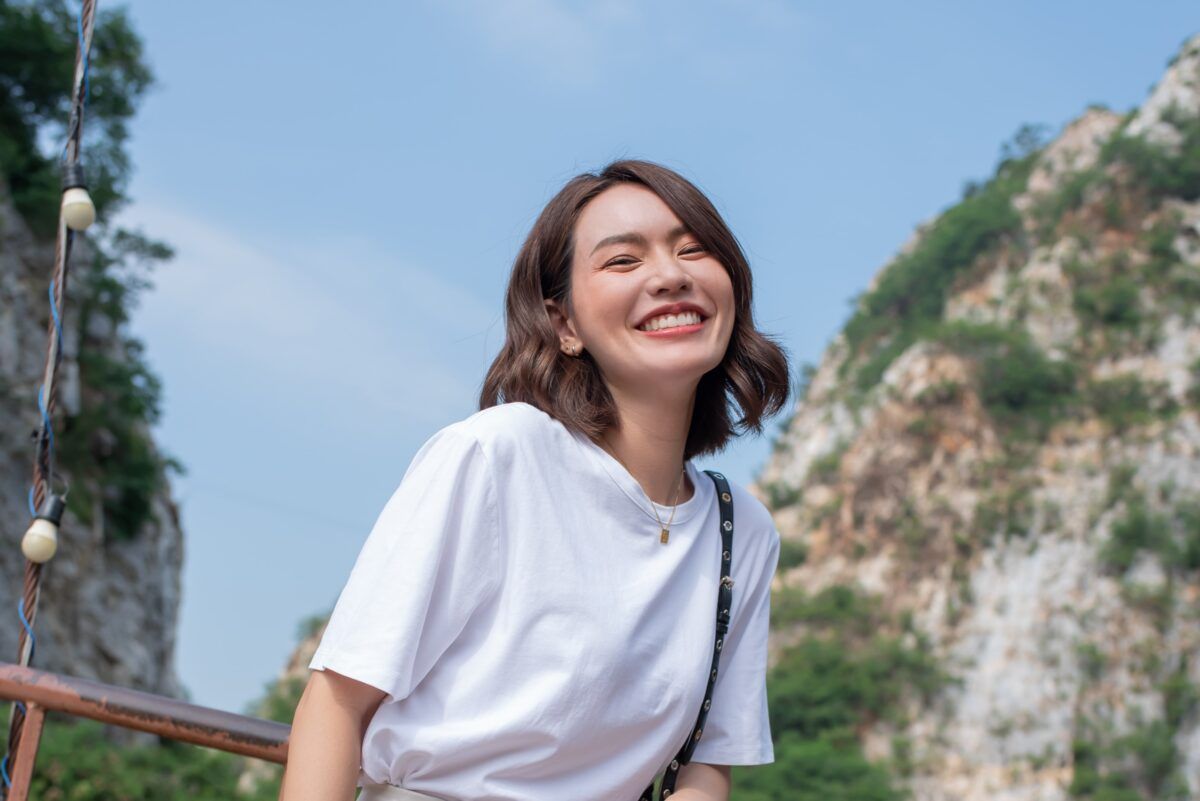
x,y
718,475
719,644
725,555
707,703
714,673
674,764
666,792
728,525
725,612
697,734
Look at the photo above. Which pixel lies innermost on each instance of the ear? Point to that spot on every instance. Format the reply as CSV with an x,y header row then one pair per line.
x,y
564,327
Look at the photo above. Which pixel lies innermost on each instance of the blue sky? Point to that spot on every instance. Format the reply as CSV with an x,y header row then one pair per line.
x,y
346,186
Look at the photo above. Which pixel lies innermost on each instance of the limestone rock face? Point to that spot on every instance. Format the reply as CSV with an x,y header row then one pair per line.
x,y
109,607
1006,550
1179,89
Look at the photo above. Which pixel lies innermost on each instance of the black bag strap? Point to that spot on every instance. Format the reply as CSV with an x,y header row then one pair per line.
x,y
724,604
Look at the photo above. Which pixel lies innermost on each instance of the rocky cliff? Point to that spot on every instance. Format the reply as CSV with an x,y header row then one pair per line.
x,y
1002,450
110,598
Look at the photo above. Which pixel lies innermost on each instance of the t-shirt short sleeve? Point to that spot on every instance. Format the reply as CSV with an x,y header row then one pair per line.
x,y
737,730
431,559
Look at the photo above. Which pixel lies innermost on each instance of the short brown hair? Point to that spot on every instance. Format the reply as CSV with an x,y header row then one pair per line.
x,y
532,368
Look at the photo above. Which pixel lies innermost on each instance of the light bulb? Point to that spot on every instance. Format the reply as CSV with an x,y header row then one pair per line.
x,y
40,541
78,209
41,538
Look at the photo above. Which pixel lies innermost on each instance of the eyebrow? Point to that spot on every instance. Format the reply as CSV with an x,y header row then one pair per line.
x,y
634,238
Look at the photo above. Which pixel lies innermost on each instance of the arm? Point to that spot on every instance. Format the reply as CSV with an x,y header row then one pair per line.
x,y
325,746
437,538
700,782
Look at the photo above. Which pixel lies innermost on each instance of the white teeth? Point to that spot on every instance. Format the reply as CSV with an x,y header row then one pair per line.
x,y
670,321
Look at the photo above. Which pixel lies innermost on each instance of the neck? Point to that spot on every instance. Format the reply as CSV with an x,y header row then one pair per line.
x,y
649,439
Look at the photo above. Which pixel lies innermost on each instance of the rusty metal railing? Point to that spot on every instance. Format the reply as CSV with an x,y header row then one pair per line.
x,y
131,709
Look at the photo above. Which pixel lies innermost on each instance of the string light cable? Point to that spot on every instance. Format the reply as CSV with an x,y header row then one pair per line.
x,y
76,213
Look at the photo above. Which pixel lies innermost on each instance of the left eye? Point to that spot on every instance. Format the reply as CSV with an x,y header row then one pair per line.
x,y
693,249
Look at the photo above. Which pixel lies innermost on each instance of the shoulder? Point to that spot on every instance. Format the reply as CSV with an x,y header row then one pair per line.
x,y
506,431
749,512
505,419
495,426
755,535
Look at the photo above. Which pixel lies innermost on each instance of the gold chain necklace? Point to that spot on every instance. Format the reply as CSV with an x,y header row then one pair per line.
x,y
664,528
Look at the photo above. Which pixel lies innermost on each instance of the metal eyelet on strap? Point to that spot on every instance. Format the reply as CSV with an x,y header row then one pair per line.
x,y
666,792
728,525
725,496
727,581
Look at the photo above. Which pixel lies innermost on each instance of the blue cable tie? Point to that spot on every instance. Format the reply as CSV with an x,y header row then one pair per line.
x,y
54,312
32,508
46,426
28,629
41,390
4,762
87,85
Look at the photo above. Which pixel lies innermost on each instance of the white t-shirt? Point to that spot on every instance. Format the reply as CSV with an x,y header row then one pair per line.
x,y
536,639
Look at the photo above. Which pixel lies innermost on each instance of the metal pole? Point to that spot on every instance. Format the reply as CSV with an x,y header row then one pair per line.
x,y
157,714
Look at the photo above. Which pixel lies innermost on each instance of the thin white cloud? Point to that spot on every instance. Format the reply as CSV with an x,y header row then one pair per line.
x,y
320,319
776,15
562,39
577,43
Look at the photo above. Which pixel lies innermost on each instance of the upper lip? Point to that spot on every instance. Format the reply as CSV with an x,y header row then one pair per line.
x,y
673,308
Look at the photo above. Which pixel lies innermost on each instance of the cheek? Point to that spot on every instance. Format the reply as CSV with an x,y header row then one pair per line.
x,y
600,307
720,288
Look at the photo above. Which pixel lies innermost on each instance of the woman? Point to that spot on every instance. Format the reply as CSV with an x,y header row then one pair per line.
x,y
532,615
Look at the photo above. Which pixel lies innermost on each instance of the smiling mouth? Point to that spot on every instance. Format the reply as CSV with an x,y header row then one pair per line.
x,y
670,322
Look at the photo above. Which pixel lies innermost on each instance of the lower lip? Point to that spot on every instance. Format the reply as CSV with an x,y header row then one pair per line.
x,y
678,330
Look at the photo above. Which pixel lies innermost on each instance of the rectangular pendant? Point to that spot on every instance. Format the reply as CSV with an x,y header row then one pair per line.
x,y
663,538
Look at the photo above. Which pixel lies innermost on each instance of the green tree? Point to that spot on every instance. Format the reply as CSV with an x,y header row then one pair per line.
x,y
37,63
105,449
76,762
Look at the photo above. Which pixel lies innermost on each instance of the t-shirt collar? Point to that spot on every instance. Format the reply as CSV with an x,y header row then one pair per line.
x,y
701,497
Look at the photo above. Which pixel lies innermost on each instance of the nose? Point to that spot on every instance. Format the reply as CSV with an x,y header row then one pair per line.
x,y
670,274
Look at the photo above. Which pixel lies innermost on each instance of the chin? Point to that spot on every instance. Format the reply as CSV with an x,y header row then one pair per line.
x,y
677,372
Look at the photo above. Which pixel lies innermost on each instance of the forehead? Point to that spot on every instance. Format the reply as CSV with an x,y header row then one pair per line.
x,y
620,209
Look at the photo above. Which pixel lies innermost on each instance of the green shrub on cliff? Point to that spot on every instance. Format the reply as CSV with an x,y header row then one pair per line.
x,y
911,294
853,665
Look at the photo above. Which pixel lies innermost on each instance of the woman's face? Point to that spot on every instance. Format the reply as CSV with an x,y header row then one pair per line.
x,y
632,257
